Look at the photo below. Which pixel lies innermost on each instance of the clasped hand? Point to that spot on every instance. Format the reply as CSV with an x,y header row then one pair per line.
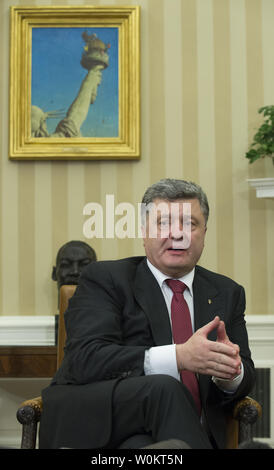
x,y
220,358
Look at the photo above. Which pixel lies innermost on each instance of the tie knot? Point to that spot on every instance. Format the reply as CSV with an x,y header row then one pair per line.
x,y
176,286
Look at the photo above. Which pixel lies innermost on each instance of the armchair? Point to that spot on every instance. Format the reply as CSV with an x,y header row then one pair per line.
x,y
29,412
239,422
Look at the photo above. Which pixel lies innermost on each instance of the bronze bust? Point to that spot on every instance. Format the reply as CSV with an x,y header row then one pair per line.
x,y
71,259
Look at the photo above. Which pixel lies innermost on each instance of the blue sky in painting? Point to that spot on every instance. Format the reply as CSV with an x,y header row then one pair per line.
x,y
57,76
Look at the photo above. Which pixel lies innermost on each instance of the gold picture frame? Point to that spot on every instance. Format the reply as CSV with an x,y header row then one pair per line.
x,y
61,53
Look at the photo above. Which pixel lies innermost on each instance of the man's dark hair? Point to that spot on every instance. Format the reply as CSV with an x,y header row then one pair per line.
x,y
172,189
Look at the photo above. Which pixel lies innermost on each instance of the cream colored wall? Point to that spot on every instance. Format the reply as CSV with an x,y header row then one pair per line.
x,y
206,67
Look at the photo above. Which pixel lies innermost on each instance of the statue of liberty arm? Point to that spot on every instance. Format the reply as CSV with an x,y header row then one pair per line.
x,y
78,110
94,59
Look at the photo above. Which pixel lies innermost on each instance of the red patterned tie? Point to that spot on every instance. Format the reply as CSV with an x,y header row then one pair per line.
x,y
182,330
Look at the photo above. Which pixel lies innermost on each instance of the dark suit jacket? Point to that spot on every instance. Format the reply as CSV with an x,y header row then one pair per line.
x,y
117,312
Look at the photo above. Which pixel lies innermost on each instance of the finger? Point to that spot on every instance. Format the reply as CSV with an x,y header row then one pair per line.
x,y
237,348
224,360
224,365
206,329
222,336
218,370
221,369
223,348
221,332
233,345
223,373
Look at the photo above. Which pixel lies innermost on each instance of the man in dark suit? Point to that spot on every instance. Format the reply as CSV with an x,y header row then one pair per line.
x,y
121,374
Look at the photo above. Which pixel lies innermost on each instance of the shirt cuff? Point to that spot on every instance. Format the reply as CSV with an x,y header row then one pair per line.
x,y
229,386
161,360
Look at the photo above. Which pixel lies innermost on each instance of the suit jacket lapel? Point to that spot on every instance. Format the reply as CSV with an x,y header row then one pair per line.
x,y
208,301
149,296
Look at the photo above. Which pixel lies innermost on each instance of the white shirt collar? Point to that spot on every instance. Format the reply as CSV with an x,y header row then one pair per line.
x,y
187,279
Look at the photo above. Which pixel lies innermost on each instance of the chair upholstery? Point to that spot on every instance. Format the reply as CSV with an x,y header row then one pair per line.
x,y
239,422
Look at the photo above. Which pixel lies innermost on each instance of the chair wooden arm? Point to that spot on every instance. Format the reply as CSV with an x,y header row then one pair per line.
x,y
28,414
246,412
240,420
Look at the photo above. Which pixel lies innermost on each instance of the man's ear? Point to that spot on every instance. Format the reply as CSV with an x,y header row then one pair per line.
x,y
53,274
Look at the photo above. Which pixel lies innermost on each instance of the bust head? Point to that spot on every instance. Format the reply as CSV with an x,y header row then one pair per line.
x,y
71,258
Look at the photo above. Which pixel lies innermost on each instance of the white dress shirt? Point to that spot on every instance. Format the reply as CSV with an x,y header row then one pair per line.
x,y
162,359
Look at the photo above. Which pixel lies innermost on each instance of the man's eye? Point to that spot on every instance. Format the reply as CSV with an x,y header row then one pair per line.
x,y
163,223
187,223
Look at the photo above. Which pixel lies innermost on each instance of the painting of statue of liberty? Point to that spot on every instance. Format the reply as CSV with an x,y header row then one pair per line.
x,y
74,82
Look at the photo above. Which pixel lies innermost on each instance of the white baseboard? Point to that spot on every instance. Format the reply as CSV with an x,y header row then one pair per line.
x,y
10,439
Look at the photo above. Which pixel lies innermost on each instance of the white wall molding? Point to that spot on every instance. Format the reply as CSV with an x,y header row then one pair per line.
x,y
264,186
261,339
39,330
27,330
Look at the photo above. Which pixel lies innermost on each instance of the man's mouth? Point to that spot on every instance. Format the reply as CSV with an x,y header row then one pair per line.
x,y
176,249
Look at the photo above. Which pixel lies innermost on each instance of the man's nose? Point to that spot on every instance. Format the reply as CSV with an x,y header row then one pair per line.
x,y
181,236
176,230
